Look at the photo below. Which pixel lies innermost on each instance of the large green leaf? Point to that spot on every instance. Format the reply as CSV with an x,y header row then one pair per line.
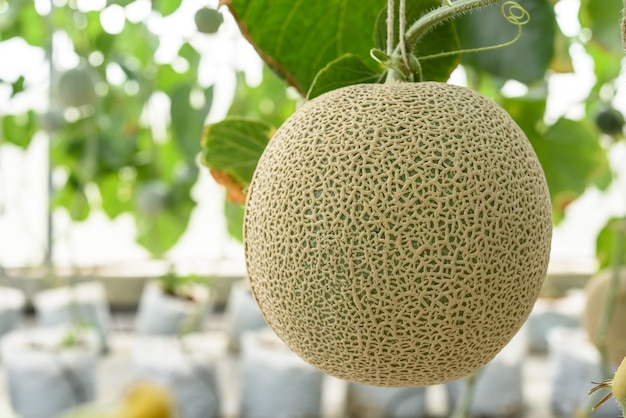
x,y
19,129
72,198
187,120
192,56
167,78
165,7
572,160
234,146
120,2
606,64
160,233
299,38
344,71
21,19
606,243
603,17
234,213
116,194
527,59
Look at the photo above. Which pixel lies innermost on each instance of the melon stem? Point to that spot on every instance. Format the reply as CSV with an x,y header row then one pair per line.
x,y
447,10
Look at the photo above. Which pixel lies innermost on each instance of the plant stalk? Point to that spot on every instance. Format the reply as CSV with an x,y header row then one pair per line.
x,y
439,15
411,37
49,182
463,407
607,315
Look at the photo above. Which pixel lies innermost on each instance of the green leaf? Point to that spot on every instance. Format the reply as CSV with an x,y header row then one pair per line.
x,y
192,56
606,64
167,78
26,23
344,71
299,38
72,198
527,59
187,120
443,38
234,146
17,86
19,129
234,219
603,18
165,7
269,101
160,233
526,111
572,160
606,243
116,194
119,2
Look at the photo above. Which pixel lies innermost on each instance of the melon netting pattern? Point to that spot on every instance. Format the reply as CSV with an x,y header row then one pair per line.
x,y
398,234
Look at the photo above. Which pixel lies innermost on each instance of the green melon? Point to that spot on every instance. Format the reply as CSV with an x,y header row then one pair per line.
x,y
398,234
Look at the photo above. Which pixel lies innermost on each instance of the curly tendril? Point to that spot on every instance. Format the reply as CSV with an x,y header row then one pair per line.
x,y
513,12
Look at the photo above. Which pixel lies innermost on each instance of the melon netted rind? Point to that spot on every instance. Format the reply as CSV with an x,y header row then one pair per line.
x,y
398,234
596,292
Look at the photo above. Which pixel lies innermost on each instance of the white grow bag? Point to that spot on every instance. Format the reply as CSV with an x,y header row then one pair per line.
x,y
75,304
575,363
365,401
12,303
242,314
499,386
44,379
187,366
275,381
162,314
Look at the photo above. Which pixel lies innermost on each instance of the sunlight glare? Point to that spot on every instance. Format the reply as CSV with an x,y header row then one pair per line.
x,y
113,19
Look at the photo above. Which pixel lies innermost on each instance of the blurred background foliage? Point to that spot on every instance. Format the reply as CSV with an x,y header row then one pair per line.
x,y
109,153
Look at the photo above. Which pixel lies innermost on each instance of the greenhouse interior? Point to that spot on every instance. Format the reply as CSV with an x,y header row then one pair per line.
x,y
292,209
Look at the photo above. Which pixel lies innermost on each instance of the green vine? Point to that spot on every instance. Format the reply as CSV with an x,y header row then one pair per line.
x,y
404,66
514,13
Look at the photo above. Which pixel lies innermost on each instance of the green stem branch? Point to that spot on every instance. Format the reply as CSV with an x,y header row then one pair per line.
x,y
423,25
463,407
607,315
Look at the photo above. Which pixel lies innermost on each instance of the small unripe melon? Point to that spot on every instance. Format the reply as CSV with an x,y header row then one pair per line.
x,y
596,292
208,20
76,87
398,234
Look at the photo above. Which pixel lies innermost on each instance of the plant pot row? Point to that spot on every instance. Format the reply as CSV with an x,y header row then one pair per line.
x,y
270,374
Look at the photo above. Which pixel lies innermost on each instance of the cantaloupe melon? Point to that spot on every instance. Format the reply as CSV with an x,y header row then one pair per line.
x,y
398,234
596,292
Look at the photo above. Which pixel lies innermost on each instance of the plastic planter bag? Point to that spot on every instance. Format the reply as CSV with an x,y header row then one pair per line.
x,y
242,314
49,370
160,313
187,366
275,381
83,303
498,391
575,363
11,306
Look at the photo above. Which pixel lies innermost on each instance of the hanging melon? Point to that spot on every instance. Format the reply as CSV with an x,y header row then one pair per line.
x,y
398,234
